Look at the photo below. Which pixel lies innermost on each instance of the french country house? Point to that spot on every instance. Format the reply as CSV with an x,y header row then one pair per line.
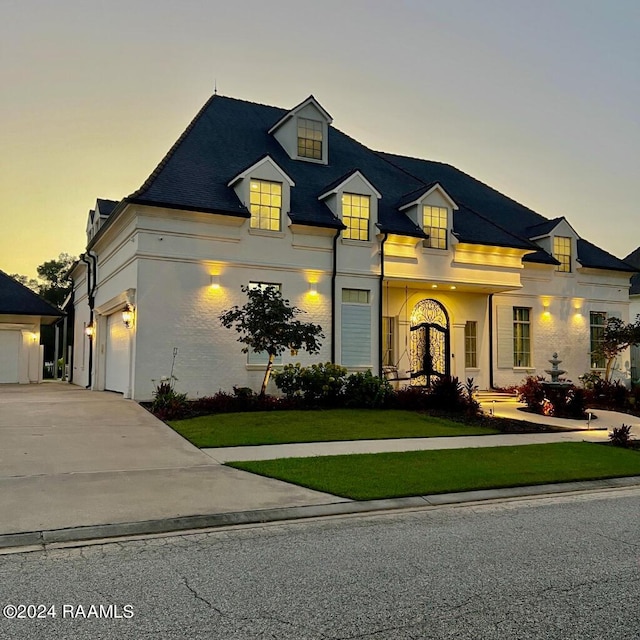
x,y
634,310
22,313
413,268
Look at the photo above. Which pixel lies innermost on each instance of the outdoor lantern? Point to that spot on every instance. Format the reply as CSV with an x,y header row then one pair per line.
x,y
89,330
127,316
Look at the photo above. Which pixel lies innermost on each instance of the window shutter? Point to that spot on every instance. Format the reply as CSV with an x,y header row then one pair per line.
x,y
504,334
356,335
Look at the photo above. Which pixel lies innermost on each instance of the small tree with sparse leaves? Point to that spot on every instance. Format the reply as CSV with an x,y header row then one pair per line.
x,y
268,323
618,336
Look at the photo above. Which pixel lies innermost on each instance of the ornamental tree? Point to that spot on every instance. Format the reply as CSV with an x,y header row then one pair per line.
x,y
618,336
268,323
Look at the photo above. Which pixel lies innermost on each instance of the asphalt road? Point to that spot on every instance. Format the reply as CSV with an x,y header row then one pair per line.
x,y
555,568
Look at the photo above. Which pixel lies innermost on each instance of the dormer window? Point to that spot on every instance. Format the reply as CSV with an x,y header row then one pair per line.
x,y
435,225
310,138
562,253
355,216
265,205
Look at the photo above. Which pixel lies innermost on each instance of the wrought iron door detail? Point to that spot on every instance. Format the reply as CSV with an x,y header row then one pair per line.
x,y
429,343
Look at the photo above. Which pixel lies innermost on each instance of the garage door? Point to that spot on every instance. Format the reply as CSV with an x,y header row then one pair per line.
x,y
117,360
9,355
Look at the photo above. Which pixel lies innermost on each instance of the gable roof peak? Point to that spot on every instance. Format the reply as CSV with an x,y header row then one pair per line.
x,y
292,112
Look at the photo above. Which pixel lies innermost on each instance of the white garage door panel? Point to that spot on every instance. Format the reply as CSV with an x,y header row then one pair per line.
x,y
117,361
9,355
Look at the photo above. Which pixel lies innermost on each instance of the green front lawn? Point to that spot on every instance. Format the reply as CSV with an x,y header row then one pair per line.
x,y
282,427
392,475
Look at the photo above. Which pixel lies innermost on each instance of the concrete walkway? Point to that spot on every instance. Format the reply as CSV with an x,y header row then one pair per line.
x,y
312,449
78,465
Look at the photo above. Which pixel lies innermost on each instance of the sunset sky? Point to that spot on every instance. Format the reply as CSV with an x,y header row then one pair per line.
x,y
538,98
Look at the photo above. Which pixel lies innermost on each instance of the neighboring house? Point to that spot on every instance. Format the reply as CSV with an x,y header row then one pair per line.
x,y
411,267
22,312
634,310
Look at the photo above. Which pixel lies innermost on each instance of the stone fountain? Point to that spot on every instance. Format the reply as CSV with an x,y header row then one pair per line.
x,y
555,390
555,373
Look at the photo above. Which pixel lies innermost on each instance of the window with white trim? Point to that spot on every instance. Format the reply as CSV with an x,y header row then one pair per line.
x,y
265,204
435,224
562,253
389,340
521,337
355,215
471,344
310,138
355,328
597,325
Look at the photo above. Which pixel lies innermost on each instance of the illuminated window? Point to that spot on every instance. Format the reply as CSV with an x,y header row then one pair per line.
x,y
562,253
471,344
265,204
309,138
521,337
597,324
389,337
355,215
435,225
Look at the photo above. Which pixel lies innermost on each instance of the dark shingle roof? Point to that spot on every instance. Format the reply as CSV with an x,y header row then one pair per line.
x,y
229,135
542,229
591,256
634,260
16,299
106,206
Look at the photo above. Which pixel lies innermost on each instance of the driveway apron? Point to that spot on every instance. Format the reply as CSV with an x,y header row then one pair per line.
x,y
71,457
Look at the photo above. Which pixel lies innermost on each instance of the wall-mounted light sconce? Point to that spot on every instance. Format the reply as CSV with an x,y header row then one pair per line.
x,y
127,316
215,282
89,331
34,337
313,288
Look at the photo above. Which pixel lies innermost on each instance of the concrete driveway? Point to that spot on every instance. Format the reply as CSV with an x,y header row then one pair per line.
x,y
71,457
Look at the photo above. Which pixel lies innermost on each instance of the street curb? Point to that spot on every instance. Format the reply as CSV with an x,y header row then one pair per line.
x,y
262,516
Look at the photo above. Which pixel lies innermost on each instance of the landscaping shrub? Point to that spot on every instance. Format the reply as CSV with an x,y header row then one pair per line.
x,y
576,403
167,403
450,395
411,398
366,391
531,392
605,394
621,436
320,384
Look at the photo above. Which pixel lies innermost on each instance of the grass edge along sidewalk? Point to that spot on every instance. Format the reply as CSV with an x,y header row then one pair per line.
x,y
330,425
414,473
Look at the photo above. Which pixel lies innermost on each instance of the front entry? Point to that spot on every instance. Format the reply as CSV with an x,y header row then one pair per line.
x,y
429,343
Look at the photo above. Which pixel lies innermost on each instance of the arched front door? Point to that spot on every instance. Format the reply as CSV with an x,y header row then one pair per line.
x,y
429,343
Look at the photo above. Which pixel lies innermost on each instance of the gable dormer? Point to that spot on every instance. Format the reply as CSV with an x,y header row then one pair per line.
x,y
91,230
264,189
431,208
354,200
558,238
303,132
